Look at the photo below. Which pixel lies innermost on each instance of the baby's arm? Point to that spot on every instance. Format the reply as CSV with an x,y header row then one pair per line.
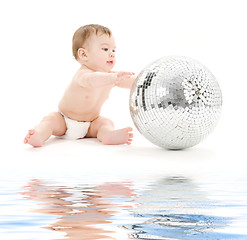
x,y
97,79
101,79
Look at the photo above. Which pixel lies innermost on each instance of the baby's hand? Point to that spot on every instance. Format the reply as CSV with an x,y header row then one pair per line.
x,y
121,76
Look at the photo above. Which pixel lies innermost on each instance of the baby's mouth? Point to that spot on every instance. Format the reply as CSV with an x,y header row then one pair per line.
x,y
110,62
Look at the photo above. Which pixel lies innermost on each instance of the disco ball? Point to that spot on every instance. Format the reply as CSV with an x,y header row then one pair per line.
x,y
175,102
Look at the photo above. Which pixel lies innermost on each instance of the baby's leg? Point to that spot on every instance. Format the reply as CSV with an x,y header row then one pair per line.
x,y
53,124
103,129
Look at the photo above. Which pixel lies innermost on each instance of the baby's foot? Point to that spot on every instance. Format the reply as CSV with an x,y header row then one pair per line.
x,y
33,138
121,136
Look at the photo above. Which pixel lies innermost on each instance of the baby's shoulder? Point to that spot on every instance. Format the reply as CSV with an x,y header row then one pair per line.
x,y
79,76
80,73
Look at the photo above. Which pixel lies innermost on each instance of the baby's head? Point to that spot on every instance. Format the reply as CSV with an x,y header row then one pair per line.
x,y
84,33
88,43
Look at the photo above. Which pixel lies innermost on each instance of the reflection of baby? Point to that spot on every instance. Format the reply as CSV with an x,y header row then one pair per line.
x,y
81,211
79,109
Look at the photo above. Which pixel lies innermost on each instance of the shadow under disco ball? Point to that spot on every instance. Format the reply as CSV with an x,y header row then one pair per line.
x,y
175,102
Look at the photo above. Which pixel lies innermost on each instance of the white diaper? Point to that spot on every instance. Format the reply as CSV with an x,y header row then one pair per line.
x,y
75,129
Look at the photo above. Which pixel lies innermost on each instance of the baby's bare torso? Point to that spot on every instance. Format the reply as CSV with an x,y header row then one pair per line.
x,y
81,103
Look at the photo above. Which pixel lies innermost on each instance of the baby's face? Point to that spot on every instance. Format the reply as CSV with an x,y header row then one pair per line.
x,y
101,53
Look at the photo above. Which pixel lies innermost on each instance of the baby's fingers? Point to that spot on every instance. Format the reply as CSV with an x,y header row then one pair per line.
x,y
123,75
129,74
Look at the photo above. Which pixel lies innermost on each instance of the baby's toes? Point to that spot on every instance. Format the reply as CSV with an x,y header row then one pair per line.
x,y
128,130
31,132
27,138
129,141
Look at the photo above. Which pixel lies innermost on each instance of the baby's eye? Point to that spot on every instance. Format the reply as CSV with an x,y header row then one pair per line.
x,y
105,49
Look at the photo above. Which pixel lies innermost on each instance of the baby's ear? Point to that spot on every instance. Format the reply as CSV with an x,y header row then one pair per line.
x,y
81,53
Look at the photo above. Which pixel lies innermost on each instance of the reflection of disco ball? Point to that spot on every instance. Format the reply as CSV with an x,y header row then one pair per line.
x,y
175,102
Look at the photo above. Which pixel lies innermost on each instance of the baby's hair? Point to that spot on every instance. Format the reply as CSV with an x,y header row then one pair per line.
x,y
84,32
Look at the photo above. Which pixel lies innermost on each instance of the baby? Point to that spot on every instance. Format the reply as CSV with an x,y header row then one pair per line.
x,y
79,109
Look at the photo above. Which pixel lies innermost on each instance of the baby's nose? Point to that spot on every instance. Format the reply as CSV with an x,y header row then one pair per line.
x,y
112,54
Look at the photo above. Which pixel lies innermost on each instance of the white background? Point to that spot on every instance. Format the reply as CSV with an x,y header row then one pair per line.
x,y
37,63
